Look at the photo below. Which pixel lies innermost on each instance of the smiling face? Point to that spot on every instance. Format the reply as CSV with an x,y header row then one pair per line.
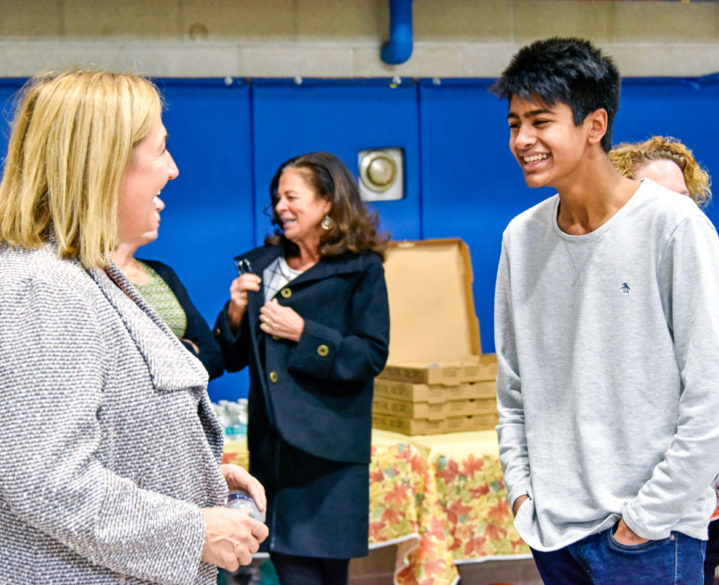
x,y
664,172
299,209
152,235
147,174
547,144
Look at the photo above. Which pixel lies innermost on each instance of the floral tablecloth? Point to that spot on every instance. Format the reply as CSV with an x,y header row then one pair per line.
x,y
441,499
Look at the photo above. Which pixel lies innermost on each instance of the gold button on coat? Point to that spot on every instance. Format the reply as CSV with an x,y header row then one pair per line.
x,y
323,350
273,376
286,293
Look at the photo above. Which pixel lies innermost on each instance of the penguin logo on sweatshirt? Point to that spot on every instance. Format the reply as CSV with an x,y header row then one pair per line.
x,y
625,288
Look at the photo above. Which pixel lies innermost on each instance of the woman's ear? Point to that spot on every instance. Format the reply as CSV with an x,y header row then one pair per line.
x,y
596,122
328,204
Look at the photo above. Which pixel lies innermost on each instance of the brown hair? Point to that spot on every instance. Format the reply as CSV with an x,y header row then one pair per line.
x,y
353,228
72,139
628,158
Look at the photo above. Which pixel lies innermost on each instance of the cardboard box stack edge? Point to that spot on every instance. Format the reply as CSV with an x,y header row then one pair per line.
x,y
436,380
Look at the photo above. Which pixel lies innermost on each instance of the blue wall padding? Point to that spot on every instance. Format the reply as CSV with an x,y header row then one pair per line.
x,y
229,136
343,117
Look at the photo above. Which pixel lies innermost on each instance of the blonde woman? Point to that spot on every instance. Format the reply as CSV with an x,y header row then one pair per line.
x,y
109,467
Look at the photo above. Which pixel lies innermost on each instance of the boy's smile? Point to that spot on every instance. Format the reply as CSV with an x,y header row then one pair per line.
x,y
545,141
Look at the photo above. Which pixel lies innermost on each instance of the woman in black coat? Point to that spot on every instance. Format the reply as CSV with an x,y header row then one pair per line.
x,y
311,320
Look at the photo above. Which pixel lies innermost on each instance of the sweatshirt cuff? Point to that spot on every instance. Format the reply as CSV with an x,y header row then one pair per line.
x,y
636,526
517,492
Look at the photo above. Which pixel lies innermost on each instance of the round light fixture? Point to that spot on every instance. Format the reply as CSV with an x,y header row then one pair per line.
x,y
378,171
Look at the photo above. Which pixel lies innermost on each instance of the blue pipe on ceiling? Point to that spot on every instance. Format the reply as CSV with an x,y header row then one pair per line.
x,y
399,48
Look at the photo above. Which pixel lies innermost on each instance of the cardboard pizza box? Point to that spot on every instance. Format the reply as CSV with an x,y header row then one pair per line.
x,y
409,409
434,331
408,426
470,406
476,422
398,390
469,390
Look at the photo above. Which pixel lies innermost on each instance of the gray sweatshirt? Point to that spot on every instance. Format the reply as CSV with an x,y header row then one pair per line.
x,y
608,384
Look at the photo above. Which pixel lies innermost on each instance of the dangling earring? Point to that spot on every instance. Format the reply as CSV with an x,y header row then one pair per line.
x,y
326,222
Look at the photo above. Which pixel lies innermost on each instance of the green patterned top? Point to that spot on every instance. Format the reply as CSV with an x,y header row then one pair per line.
x,y
161,298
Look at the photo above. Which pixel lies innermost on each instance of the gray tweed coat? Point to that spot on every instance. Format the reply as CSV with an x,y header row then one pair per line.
x,y
108,443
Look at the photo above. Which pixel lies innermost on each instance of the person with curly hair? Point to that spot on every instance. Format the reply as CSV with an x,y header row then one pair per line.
x,y
667,161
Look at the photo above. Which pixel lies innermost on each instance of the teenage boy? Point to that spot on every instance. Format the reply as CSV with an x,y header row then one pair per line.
x,y
607,339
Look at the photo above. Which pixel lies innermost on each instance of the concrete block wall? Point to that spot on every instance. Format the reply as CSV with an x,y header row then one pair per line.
x,y
343,38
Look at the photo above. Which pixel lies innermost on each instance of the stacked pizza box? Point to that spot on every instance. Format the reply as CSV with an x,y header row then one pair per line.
x,y
436,380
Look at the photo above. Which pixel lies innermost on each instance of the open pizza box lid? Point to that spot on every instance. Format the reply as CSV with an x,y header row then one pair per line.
x,y
434,332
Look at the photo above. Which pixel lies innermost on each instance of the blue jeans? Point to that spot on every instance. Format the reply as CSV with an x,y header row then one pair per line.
x,y
712,557
600,560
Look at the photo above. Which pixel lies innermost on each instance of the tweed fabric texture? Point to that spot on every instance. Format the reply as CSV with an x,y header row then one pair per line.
x,y
109,443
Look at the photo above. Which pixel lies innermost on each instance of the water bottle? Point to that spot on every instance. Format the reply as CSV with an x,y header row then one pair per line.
x,y
241,500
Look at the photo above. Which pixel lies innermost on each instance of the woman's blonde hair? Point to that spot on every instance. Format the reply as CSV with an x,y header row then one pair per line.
x,y
72,139
628,158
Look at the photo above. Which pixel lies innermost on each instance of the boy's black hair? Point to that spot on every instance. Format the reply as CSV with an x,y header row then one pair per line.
x,y
565,70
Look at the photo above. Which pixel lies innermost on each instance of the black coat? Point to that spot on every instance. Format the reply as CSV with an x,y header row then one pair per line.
x,y
321,401
197,329
310,407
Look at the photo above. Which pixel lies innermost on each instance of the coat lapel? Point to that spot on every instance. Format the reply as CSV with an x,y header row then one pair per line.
x,y
329,267
171,366
260,260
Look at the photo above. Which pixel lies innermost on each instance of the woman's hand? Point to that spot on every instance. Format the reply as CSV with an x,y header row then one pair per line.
x,y
238,297
238,478
281,321
231,537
